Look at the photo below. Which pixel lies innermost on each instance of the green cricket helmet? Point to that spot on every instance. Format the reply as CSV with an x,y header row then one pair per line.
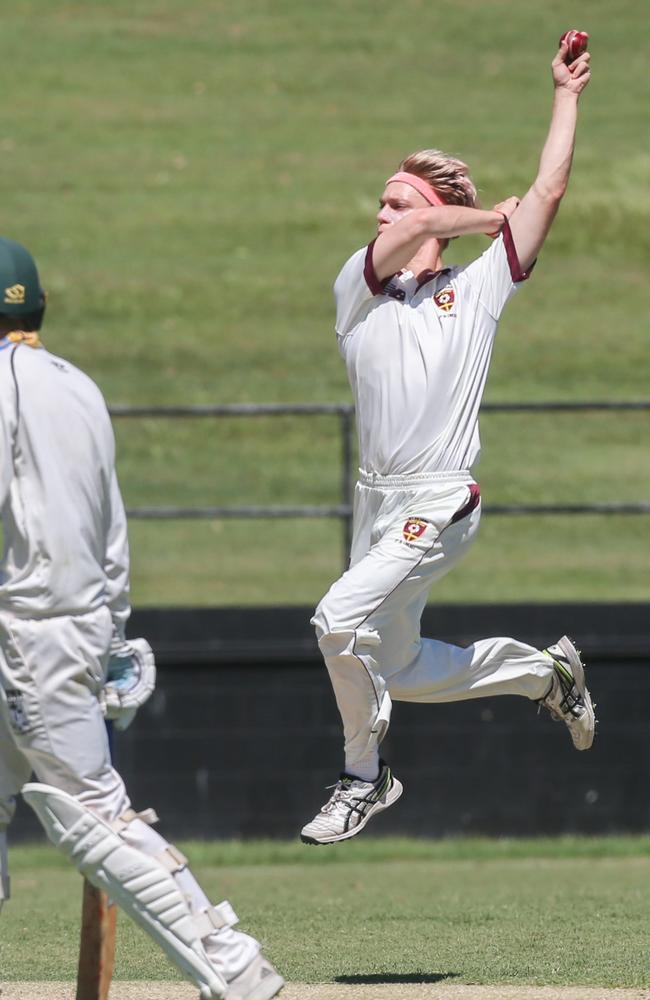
x,y
21,294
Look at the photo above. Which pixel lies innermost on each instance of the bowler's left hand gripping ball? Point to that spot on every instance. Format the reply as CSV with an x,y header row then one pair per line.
x,y
576,41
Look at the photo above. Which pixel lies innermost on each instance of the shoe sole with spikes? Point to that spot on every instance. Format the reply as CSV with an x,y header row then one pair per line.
x,y
572,655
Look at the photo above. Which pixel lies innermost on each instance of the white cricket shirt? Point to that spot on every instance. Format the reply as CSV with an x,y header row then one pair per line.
x,y
418,354
64,527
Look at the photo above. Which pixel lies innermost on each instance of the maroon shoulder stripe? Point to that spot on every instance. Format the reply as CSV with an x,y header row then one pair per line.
x,y
516,272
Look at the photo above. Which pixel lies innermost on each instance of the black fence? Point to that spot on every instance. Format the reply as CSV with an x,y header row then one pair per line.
x,y
345,414
242,733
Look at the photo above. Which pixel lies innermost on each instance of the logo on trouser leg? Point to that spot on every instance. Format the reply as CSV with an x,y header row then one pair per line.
x,y
17,714
414,528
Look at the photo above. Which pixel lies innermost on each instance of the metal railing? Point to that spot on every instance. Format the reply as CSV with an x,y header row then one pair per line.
x,y
343,510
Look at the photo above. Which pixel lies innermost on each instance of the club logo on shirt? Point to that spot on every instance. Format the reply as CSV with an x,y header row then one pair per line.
x,y
414,528
445,299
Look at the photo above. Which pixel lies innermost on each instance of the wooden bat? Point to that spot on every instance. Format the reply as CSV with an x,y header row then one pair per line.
x,y
97,941
96,945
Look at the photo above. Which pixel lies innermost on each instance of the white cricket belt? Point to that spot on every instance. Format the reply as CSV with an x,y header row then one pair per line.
x,y
414,480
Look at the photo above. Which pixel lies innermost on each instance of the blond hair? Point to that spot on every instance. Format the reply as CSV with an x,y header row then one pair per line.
x,y
448,176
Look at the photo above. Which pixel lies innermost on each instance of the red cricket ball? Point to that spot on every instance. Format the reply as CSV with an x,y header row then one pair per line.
x,y
577,42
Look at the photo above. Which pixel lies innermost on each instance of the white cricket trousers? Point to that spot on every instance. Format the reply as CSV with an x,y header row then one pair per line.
x,y
51,723
409,531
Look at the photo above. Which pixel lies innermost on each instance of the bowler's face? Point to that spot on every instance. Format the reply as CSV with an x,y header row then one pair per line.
x,y
397,201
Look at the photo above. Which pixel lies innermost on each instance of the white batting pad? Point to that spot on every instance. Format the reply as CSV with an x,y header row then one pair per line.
x,y
138,883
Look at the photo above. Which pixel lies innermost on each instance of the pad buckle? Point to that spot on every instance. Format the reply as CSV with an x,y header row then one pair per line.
x,y
148,816
172,859
215,919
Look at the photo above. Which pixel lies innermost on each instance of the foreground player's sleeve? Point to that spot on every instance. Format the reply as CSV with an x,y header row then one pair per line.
x,y
354,289
7,431
496,274
6,465
116,562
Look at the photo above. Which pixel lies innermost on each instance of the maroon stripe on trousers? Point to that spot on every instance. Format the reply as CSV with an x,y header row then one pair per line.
x,y
472,504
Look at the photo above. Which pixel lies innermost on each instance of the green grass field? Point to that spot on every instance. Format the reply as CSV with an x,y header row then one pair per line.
x,y
191,175
558,912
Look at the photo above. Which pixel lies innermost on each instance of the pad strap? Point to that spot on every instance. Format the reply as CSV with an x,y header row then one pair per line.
x,y
148,816
215,919
172,859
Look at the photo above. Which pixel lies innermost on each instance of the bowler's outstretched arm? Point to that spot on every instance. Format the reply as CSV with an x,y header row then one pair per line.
x,y
533,218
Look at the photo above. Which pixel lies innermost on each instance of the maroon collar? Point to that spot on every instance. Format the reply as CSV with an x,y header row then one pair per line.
x,y
378,287
426,276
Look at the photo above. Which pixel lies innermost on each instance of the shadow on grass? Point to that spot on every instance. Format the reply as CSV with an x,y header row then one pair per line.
x,y
392,977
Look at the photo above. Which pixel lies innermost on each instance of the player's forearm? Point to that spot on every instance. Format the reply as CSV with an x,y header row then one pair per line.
x,y
116,561
448,221
557,155
533,218
399,243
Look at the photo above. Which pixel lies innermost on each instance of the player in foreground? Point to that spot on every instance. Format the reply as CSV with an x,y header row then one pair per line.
x,y
64,604
417,338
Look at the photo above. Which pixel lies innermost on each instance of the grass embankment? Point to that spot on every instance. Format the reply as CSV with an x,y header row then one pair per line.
x,y
191,177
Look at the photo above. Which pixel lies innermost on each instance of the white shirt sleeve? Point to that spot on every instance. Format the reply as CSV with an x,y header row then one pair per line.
x,y
354,288
496,274
116,561
6,459
7,432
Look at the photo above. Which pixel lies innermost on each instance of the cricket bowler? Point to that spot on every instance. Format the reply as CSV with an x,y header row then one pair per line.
x,y
417,338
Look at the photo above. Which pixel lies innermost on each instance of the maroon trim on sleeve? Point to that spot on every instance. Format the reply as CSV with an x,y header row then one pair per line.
x,y
376,286
516,272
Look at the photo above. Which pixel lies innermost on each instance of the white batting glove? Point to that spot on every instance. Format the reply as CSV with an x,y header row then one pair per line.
x,y
130,680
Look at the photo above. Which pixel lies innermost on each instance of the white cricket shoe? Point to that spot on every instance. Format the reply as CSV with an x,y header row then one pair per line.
x,y
258,981
568,699
350,807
